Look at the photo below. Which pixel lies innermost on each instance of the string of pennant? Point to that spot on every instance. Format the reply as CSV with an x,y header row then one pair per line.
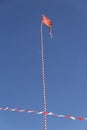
x,y
42,112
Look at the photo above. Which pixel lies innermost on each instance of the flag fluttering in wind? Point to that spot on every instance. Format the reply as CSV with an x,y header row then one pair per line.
x,y
46,21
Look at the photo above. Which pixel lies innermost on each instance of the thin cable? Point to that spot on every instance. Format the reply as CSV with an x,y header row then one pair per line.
x,y
43,79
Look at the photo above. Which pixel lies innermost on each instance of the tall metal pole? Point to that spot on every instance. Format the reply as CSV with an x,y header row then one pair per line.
x,y
43,79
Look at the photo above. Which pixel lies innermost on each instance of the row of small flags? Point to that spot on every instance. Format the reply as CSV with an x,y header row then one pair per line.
x,y
42,112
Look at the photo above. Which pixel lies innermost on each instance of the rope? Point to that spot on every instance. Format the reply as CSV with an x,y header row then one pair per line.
x,y
43,79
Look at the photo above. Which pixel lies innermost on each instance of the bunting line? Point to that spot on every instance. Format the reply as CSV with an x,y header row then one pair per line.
x,y
42,112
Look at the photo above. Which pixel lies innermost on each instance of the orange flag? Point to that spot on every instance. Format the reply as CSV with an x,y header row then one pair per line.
x,y
46,21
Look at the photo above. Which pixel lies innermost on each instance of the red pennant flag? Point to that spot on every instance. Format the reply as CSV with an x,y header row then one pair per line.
x,y
45,112
67,116
80,118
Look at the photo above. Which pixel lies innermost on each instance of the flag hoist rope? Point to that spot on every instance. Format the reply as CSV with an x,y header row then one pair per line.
x,y
43,79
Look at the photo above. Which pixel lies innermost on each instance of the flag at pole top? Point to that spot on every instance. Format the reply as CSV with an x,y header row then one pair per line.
x,y
48,22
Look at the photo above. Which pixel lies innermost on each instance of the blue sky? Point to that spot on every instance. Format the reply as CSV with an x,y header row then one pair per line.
x,y
65,63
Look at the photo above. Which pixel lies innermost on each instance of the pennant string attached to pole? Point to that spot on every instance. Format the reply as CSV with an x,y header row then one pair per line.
x,y
46,21
43,79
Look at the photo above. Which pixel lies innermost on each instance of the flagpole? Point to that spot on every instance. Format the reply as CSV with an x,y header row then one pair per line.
x,y
43,79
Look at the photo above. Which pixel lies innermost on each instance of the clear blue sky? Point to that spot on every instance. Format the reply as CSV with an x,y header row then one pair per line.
x,y
65,63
